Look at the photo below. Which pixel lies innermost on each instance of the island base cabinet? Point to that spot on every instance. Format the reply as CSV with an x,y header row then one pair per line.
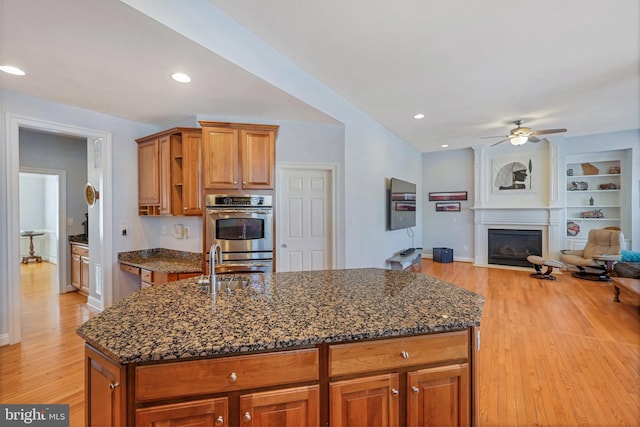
x,y
210,412
438,396
105,391
296,407
369,401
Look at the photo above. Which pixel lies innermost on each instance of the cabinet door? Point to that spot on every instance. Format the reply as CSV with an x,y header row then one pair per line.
x,y
210,412
191,173
290,407
439,396
76,267
148,173
257,151
84,274
164,174
220,158
105,391
370,401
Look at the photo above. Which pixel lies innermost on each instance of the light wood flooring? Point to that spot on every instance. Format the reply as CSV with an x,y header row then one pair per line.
x,y
553,353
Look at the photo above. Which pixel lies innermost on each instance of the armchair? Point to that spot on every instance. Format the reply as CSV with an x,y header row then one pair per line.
x,y
596,260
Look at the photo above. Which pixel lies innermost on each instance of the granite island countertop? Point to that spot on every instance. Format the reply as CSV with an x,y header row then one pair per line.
x,y
163,260
278,311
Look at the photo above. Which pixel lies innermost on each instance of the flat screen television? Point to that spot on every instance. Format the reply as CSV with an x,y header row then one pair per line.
x,y
402,204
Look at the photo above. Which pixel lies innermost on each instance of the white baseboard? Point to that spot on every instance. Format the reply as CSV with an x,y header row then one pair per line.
x,y
4,339
455,258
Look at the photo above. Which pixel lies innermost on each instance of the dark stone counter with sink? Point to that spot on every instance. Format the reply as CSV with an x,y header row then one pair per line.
x,y
277,311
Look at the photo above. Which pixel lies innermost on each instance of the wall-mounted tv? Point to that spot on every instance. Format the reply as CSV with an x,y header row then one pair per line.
x,y
402,204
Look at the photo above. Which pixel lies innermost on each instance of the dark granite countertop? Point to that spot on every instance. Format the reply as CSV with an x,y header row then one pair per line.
x,y
278,311
79,238
163,260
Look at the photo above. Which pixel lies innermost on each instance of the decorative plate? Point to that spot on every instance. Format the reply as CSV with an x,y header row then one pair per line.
x,y
572,229
91,194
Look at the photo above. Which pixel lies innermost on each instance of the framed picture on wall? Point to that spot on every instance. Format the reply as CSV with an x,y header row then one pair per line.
x,y
443,196
448,207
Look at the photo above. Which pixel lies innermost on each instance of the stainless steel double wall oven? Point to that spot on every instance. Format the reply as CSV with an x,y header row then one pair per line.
x,y
243,227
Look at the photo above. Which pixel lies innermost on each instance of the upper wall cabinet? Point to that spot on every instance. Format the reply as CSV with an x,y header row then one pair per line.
x,y
238,156
169,172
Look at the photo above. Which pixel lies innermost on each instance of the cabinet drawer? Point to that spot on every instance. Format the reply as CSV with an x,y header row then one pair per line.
x,y
79,250
179,379
353,358
146,276
130,269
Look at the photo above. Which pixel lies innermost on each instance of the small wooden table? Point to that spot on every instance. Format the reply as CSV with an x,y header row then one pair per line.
x,y
32,255
625,282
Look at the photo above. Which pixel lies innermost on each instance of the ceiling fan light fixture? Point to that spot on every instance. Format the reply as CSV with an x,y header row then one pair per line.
x,y
519,139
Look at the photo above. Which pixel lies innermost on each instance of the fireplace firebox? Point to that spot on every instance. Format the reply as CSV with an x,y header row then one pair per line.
x,y
512,247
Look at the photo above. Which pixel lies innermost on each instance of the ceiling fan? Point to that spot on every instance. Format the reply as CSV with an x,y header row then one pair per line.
x,y
521,135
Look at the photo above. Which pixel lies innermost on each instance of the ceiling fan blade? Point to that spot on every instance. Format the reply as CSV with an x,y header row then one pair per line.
x,y
547,131
500,142
485,137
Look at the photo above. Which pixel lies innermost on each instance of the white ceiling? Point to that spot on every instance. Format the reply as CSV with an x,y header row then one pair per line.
x,y
471,67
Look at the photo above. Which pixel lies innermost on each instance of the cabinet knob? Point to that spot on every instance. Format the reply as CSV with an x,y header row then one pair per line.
x,y
405,355
219,420
113,386
246,417
233,377
235,182
185,208
394,392
244,182
415,389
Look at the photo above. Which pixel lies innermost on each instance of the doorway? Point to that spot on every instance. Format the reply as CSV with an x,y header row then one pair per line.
x,y
42,205
99,173
305,217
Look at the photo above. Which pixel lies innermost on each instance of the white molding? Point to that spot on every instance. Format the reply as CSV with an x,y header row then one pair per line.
x,y
103,243
4,339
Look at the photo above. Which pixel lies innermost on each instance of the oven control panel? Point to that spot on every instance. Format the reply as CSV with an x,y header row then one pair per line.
x,y
223,200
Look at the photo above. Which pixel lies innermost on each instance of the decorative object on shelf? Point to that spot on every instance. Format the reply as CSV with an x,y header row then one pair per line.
x,y
440,196
589,169
596,213
448,207
569,172
573,229
614,170
609,186
579,186
590,201
91,195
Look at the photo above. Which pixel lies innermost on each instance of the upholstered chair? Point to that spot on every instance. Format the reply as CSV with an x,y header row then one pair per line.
x,y
596,260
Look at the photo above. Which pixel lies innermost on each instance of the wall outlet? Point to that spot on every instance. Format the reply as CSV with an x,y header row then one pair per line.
x,y
185,232
70,220
178,231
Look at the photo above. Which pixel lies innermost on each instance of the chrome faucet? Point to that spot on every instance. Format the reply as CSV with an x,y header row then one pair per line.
x,y
215,258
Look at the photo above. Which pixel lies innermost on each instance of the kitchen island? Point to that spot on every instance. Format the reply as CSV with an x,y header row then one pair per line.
x,y
334,347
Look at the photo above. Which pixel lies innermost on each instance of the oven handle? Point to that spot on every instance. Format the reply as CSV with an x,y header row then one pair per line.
x,y
244,211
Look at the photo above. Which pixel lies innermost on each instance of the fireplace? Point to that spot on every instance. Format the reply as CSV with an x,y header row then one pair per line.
x,y
512,247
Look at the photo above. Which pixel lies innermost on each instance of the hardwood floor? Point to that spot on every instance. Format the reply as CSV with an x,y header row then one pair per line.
x,y
553,353
47,367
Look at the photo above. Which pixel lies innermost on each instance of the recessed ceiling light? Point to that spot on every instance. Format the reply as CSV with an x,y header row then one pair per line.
x,y
181,77
444,145
419,116
12,70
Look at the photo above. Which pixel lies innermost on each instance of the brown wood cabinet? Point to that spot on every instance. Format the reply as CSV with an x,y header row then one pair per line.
x,y
238,156
80,267
291,407
151,278
105,391
169,172
424,380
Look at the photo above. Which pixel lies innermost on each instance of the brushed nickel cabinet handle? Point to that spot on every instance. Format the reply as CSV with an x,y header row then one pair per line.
x,y
113,386
415,389
246,416
405,355
219,421
394,392
233,377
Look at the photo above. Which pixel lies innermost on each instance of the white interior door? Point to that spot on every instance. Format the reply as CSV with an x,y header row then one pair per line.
x,y
304,220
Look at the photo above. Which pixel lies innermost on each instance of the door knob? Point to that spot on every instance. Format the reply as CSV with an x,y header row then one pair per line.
x,y
284,245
